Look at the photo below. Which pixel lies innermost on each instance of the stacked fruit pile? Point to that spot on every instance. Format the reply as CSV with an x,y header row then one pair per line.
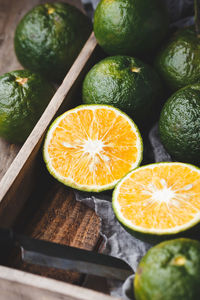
x,y
47,41
98,146
93,147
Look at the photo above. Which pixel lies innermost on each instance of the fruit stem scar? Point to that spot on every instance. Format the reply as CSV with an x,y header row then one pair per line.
x,y
135,70
139,271
179,261
51,10
21,81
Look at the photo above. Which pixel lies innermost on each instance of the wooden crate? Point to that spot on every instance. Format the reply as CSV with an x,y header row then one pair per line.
x,y
30,200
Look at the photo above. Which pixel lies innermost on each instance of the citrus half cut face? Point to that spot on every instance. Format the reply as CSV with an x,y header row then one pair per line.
x,y
162,198
92,147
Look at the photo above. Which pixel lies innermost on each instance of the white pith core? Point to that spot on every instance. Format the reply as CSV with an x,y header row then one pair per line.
x,y
165,194
93,148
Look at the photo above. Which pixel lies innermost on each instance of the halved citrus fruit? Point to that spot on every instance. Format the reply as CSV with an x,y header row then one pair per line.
x,y
92,147
159,199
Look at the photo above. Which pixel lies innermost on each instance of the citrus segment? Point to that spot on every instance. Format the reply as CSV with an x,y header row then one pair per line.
x,y
159,199
92,147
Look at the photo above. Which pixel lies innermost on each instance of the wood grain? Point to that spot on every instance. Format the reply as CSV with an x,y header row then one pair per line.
x,y
61,219
18,285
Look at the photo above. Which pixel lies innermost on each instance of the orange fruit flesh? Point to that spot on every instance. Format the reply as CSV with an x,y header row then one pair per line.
x,y
94,146
161,197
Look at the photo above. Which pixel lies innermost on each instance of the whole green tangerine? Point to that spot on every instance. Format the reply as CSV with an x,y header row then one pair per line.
x,y
126,83
130,27
169,271
178,62
49,38
179,124
23,98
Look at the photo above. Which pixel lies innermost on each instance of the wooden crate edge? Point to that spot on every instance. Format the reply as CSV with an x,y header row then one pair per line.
x,y
36,135
19,285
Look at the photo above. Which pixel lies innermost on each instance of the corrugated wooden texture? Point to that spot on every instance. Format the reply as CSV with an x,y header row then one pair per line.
x,y
54,215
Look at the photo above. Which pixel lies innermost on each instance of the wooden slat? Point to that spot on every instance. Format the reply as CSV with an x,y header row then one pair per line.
x,y
17,285
15,180
8,152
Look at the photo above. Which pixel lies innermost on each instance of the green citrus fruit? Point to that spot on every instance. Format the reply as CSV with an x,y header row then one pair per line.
x,y
179,124
86,149
130,27
179,61
126,83
23,97
49,38
169,271
158,201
